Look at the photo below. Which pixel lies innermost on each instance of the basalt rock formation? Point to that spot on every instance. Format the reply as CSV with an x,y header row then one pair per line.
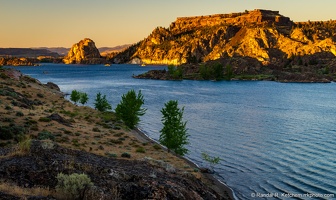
x,y
14,61
112,178
265,35
84,52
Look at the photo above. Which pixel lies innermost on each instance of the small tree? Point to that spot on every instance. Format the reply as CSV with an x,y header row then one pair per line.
x,y
211,160
83,98
75,96
101,103
174,133
228,72
175,72
129,109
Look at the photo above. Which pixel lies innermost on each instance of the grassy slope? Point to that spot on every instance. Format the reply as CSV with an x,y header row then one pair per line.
x,y
90,130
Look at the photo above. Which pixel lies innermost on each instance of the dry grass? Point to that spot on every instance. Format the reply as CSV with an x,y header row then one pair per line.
x,y
15,190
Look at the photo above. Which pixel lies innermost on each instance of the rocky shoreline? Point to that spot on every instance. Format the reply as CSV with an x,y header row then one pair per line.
x,y
217,185
245,68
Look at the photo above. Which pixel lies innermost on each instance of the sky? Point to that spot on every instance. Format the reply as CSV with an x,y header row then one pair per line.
x,y
61,23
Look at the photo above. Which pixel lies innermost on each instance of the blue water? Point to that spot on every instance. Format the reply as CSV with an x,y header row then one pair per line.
x,y
274,138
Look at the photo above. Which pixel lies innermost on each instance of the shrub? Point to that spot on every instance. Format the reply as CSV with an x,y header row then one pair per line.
x,y
4,76
126,155
44,119
140,150
10,132
40,95
24,145
95,129
115,141
73,185
19,114
44,135
111,155
156,146
75,142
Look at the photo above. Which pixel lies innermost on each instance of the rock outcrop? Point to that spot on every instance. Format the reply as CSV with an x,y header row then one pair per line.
x,y
112,178
261,34
14,61
84,52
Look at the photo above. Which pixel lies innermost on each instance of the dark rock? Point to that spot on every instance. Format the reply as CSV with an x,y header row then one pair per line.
x,y
53,86
121,179
206,170
4,196
59,119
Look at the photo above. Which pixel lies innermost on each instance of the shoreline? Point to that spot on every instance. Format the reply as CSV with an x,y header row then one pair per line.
x,y
216,184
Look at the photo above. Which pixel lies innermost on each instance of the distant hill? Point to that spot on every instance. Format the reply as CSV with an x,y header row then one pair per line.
x,y
104,51
62,51
26,52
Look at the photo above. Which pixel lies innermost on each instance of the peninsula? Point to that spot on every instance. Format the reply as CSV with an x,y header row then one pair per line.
x,y
257,44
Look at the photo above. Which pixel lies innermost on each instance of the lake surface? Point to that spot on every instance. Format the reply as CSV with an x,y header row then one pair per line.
x,y
274,138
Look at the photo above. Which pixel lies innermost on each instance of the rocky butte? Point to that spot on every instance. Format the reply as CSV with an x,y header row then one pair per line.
x,y
84,52
258,38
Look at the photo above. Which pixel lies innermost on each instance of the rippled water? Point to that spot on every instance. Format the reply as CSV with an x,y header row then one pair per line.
x,y
274,138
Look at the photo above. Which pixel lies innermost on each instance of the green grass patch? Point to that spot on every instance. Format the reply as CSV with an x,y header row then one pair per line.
x,y
44,119
107,116
69,113
125,155
140,150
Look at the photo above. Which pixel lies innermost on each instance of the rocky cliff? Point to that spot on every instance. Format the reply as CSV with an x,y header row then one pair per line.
x,y
261,34
84,52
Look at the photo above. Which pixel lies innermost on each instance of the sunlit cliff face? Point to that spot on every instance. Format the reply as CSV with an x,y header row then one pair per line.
x,y
79,52
261,34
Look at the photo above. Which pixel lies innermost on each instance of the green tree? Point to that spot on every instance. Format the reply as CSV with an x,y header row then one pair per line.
x,y
229,72
203,70
171,69
101,103
75,96
174,133
83,98
129,109
211,160
217,69
175,72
